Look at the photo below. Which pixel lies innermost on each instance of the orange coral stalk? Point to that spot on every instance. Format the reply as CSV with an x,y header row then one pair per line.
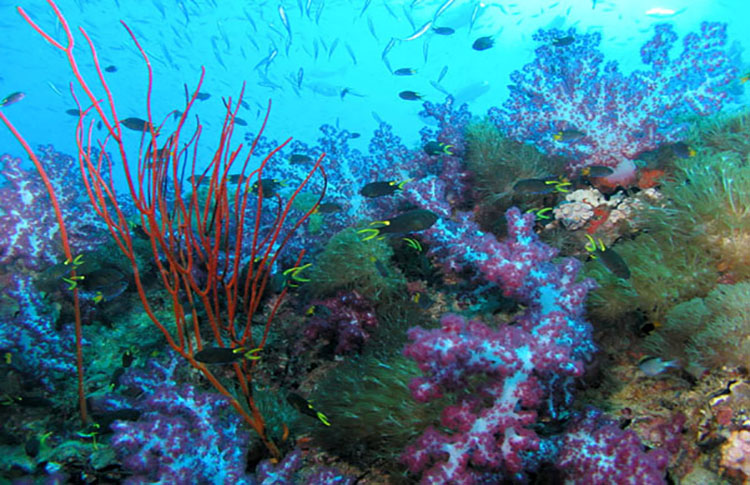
x,y
188,235
68,257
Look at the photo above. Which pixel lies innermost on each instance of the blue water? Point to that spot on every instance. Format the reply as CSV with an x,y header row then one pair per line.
x,y
229,38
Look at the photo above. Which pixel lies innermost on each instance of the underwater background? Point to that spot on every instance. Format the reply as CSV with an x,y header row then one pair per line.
x,y
423,241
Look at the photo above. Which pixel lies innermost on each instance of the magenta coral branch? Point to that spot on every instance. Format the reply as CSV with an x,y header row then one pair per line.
x,y
618,116
503,377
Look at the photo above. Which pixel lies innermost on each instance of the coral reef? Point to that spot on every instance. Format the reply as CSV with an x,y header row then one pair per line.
x,y
183,435
664,272
29,333
497,162
27,223
694,236
735,454
707,205
347,262
287,472
515,369
344,320
372,413
724,133
486,386
571,88
596,451
707,333
591,209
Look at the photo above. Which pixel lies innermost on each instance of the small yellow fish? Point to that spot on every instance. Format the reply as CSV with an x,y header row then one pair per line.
x,y
611,260
305,407
379,189
225,355
568,135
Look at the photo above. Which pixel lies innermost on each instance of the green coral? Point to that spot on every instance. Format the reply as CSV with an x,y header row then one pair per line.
x,y
708,332
664,272
372,412
53,450
497,161
349,263
697,232
367,399
725,133
708,204
305,201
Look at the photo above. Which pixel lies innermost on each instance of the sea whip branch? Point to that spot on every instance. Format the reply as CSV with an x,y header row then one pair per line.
x,y
188,235
68,257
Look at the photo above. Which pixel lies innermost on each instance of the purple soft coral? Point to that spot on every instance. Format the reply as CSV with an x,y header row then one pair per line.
x,y
510,371
29,331
490,436
595,451
28,228
571,88
183,435
347,322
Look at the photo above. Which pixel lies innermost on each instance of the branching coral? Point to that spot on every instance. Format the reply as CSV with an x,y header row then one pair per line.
x,y
571,87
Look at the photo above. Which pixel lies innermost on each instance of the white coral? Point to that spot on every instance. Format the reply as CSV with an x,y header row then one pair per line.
x,y
735,454
578,208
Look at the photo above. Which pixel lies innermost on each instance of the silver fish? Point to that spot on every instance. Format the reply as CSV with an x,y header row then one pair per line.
x,y
333,48
223,34
371,27
442,9
388,47
442,74
390,11
319,12
407,14
285,20
351,53
439,88
367,4
419,33
54,88
474,15
250,19
267,60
